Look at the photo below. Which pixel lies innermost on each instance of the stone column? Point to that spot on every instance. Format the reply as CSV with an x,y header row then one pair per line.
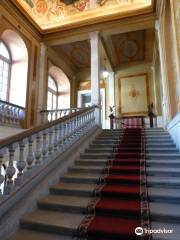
x,y
41,83
95,75
175,13
165,92
111,89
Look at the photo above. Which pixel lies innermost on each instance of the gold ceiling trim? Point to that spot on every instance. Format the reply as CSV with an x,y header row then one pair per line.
x,y
53,14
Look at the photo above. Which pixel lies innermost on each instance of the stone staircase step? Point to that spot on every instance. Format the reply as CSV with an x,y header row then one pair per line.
x,y
52,221
91,162
110,145
60,213
35,235
167,212
81,189
103,162
63,202
147,141
80,177
85,169
130,149
134,139
163,181
163,163
169,226
160,194
165,171
164,156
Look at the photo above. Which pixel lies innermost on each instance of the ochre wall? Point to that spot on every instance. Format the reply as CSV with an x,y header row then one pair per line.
x,y
11,20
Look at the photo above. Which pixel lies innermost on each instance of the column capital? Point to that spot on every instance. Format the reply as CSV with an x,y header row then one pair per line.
x,y
94,35
43,47
157,25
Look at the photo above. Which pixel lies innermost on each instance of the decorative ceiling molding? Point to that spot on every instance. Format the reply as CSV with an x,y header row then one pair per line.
x,y
48,14
78,53
129,47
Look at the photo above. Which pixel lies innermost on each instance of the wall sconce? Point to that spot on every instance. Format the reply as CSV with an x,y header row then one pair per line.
x,y
105,71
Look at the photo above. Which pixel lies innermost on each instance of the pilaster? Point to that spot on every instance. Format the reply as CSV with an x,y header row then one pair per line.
x,y
95,74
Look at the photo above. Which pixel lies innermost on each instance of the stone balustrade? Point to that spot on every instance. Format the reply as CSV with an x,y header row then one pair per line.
x,y
11,114
50,115
24,155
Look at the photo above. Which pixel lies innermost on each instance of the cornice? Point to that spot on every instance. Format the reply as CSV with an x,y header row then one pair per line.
x,y
159,8
111,27
10,7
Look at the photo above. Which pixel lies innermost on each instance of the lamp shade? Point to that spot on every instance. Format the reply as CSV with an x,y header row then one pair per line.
x,y
105,73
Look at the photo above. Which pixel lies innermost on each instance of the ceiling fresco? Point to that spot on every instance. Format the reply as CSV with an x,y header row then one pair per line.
x,y
78,53
123,48
58,13
129,47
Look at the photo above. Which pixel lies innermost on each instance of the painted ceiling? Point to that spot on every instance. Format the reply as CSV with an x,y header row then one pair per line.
x,y
77,53
49,14
129,47
122,48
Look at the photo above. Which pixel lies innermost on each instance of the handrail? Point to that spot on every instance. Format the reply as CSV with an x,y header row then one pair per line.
x,y
11,114
50,115
60,109
34,130
12,104
34,149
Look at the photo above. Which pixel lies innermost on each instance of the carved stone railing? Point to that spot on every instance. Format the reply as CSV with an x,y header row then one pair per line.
x,y
50,115
11,114
24,156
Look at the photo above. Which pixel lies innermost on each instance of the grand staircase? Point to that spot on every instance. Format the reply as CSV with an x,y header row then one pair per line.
x,y
59,214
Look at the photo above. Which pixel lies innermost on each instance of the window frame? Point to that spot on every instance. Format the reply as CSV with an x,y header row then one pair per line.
x,y
9,62
53,92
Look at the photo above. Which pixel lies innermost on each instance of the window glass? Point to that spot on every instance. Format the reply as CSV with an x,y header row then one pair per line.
x,y
4,51
52,96
4,72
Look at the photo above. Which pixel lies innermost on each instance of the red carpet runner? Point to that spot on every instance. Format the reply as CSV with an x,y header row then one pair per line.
x,y
117,212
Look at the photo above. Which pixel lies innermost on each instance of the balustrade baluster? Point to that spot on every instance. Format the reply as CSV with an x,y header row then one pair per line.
x,y
60,135
42,141
65,133
2,178
30,155
51,114
38,148
83,122
48,116
56,114
50,144
44,147
56,138
10,171
73,127
21,164
79,124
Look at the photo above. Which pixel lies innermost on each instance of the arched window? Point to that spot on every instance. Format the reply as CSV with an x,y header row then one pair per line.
x,y
52,98
5,67
63,86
